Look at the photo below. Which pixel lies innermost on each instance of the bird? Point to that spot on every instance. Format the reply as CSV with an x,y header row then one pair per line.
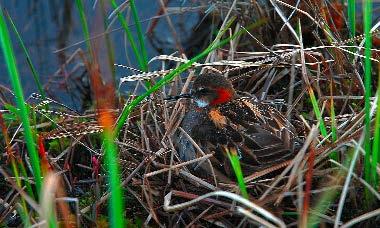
x,y
220,120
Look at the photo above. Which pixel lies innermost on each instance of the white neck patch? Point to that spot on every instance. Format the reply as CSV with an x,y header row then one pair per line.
x,y
201,103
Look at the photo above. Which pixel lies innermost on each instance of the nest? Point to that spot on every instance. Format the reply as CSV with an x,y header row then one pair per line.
x,y
172,191
283,74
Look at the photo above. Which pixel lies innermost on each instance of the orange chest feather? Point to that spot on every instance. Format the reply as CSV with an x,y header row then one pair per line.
x,y
217,118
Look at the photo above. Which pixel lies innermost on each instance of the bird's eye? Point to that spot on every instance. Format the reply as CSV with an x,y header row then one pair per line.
x,y
203,91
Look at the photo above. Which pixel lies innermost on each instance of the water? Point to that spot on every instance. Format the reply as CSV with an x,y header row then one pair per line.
x,y
47,26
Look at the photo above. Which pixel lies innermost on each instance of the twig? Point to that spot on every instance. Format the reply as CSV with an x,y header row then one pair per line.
x,y
207,156
229,195
361,218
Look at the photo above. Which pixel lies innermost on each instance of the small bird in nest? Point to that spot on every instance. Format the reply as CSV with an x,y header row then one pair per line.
x,y
223,122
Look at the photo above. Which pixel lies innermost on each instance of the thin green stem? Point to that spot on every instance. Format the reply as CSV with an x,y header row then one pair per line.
x,y
313,99
376,137
317,113
334,154
83,21
367,84
351,10
140,35
10,61
130,37
116,205
25,174
235,162
23,209
36,77
334,137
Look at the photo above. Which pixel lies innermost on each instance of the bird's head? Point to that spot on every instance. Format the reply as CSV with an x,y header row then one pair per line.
x,y
212,89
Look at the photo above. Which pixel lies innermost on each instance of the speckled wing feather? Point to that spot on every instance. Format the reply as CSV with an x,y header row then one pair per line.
x,y
260,132
255,116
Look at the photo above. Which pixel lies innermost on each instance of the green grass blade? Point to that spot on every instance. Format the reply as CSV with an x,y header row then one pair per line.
x,y
322,206
234,159
27,183
130,37
169,77
367,85
10,61
313,99
83,21
351,10
334,137
376,138
140,35
23,210
317,113
116,207
36,77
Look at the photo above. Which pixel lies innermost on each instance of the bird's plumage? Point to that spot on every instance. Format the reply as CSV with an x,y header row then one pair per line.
x,y
261,135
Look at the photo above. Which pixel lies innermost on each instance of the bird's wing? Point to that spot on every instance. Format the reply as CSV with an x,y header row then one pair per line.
x,y
259,117
261,134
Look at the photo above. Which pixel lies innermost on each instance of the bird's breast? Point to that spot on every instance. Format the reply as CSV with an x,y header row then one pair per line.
x,y
217,118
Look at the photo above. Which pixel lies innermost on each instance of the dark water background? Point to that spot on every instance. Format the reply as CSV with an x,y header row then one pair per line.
x,y
49,25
